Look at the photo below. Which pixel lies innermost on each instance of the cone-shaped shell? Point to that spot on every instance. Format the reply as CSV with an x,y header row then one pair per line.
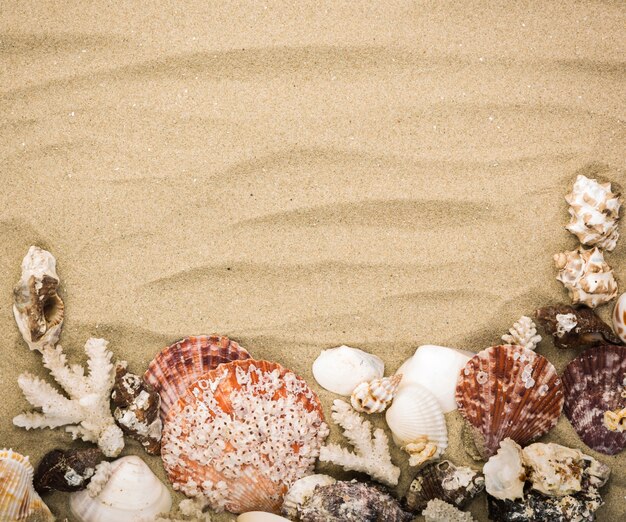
x,y
185,361
130,492
376,395
594,383
444,480
508,391
242,434
18,498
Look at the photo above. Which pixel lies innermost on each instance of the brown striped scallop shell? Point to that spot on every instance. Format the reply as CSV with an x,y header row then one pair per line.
x,y
182,363
595,382
508,391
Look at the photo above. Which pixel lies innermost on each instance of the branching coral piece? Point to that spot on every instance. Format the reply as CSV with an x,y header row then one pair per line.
x,y
372,452
523,333
86,413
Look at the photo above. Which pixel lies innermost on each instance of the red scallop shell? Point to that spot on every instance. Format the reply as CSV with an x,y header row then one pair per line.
x,y
178,365
208,427
593,383
501,397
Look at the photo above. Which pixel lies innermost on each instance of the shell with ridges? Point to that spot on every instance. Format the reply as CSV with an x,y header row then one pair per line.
x,y
124,490
185,361
619,317
417,424
508,391
594,383
340,370
376,395
242,434
18,498
444,480
301,491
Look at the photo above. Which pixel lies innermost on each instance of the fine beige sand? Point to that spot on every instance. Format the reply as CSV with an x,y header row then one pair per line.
x,y
301,175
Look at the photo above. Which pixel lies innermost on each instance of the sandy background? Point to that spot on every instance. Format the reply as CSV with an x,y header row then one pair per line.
x,y
300,176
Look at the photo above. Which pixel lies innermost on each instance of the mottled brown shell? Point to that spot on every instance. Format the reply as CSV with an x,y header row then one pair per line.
x,y
589,331
185,361
69,470
594,383
508,391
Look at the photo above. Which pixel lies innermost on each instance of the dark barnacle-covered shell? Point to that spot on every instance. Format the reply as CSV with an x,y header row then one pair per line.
x,y
136,410
352,502
575,327
69,470
445,481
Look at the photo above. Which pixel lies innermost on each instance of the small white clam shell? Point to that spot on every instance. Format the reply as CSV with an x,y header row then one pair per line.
x,y
131,492
415,414
437,369
260,516
342,369
301,491
504,472
619,317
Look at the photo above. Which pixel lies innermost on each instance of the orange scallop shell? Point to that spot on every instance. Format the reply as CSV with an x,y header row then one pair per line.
x,y
242,434
178,365
508,391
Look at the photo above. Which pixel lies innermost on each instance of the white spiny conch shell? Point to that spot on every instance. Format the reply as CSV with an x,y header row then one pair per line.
x,y
619,317
587,276
505,473
260,516
301,491
342,369
18,498
122,491
437,369
595,211
37,307
417,424
376,395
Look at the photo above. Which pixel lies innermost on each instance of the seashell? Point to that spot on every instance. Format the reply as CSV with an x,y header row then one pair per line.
x,y
575,327
619,318
260,516
587,277
439,511
376,395
417,424
185,361
37,308
301,491
437,369
18,498
595,383
508,391
505,473
340,370
124,490
594,212
523,333
242,434
69,470
137,409
352,501
445,481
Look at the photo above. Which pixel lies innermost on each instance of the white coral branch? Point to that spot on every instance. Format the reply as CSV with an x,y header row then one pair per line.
x,y
70,378
523,333
372,452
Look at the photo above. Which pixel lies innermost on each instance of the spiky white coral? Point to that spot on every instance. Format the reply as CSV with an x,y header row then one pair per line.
x,y
372,452
523,333
86,413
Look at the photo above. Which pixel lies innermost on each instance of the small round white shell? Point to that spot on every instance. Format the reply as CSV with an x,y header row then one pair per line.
x,y
342,369
504,472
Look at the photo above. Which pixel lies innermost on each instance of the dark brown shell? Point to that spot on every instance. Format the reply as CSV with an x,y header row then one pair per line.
x,y
594,383
136,409
69,470
445,481
508,391
185,361
589,331
352,502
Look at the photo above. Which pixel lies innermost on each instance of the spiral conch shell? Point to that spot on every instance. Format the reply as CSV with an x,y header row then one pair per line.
x,y
587,276
376,395
18,498
595,211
